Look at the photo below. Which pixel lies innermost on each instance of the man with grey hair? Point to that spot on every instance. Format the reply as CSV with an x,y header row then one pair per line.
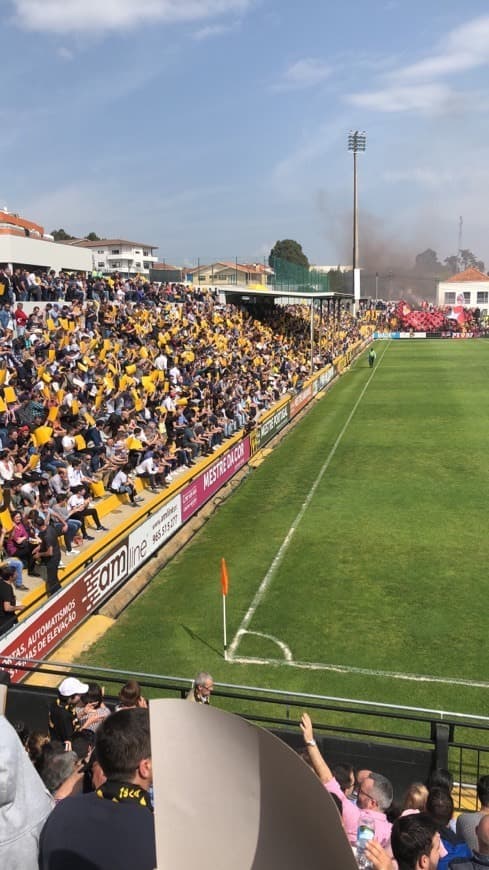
x,y
374,794
201,690
378,792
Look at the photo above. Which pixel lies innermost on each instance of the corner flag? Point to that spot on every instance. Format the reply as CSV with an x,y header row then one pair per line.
x,y
224,577
224,590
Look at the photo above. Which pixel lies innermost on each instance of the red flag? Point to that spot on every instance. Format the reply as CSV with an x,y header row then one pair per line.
x,y
224,577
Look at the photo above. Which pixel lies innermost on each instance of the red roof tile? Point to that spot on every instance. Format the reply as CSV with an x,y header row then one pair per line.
x,y
469,274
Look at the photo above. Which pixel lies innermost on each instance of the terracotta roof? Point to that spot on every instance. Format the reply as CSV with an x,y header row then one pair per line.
x,y
469,274
105,243
15,221
163,267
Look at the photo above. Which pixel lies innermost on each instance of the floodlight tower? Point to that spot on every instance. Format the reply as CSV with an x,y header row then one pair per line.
x,y
357,142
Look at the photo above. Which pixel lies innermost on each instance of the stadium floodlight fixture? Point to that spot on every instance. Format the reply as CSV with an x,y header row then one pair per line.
x,y
357,141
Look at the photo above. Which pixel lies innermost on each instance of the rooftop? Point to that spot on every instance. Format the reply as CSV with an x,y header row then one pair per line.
x,y
106,243
469,274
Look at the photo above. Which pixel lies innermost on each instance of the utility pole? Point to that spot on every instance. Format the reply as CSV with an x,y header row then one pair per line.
x,y
460,240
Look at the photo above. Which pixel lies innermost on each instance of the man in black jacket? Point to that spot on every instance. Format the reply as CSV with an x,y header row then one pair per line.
x,y
113,827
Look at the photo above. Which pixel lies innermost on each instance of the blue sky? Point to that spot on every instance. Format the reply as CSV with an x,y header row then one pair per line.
x,y
214,127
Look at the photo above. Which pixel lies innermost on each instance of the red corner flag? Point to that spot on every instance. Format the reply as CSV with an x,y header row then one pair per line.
x,y
224,577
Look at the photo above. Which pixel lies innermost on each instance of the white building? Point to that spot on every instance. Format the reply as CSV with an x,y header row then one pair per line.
x,y
337,268
118,255
25,244
469,288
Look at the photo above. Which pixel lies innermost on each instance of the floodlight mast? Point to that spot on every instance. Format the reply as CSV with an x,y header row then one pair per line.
x,y
357,141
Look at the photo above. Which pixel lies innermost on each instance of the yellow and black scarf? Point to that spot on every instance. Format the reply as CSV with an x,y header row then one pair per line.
x,y
123,792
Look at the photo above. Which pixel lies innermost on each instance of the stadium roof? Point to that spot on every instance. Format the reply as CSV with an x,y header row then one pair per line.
x,y
469,274
254,294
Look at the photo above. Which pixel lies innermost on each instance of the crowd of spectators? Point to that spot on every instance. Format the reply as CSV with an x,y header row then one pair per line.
x,y
420,833
113,379
80,793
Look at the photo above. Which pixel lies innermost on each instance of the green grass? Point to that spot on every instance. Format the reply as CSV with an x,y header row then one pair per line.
x,y
386,571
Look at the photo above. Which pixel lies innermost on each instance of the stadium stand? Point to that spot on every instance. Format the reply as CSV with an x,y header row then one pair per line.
x,y
115,389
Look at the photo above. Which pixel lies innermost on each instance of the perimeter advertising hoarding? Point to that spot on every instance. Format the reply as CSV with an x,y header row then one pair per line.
x,y
299,401
323,380
195,495
154,532
270,427
40,634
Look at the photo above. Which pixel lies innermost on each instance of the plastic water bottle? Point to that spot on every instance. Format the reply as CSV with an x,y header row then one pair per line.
x,y
365,832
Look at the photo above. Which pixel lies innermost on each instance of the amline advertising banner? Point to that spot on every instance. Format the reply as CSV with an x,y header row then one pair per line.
x,y
39,634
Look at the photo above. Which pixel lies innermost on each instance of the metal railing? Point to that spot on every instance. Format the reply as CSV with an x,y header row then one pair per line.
x,y
398,737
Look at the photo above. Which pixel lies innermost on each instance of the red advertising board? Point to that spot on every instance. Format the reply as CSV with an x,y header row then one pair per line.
x,y
216,475
37,636
299,401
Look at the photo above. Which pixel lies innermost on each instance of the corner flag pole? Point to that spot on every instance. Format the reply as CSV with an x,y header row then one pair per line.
x,y
224,590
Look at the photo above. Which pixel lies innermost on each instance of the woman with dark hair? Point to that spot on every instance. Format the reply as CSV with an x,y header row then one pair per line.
x,y
130,696
21,543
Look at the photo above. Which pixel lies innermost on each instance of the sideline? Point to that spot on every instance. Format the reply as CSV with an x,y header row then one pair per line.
x,y
265,583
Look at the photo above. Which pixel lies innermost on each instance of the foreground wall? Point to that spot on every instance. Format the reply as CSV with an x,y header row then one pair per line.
x,y
39,634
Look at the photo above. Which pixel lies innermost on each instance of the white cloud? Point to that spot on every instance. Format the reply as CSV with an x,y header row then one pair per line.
x,y
69,16
65,53
424,97
416,87
424,176
212,30
464,48
304,73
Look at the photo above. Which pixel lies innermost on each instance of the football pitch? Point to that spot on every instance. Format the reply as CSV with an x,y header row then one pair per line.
x,y
357,551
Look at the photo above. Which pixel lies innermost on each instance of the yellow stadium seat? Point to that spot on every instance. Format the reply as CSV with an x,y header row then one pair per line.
x,y
9,394
33,461
6,520
98,488
41,435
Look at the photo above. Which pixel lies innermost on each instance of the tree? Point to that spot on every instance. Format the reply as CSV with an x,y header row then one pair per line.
x,y
465,259
92,237
468,260
61,235
289,250
427,263
452,264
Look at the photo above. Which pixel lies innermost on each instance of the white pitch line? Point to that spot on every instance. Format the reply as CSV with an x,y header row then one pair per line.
x,y
281,645
347,669
265,583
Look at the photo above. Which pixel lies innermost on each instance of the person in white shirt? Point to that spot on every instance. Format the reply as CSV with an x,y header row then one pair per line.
x,y
149,469
161,362
121,484
79,508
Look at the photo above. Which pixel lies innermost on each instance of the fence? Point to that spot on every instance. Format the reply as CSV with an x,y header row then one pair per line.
x,y
291,277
